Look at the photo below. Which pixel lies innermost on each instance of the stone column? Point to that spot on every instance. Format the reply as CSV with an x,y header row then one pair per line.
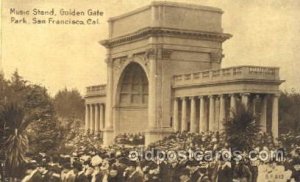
x,y
217,113
92,119
275,117
87,118
183,115
194,126
109,99
96,119
203,117
263,112
245,99
108,133
254,103
222,112
232,105
154,132
152,119
175,116
101,117
211,125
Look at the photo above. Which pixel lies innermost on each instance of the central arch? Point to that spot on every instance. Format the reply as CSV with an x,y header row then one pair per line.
x,y
132,100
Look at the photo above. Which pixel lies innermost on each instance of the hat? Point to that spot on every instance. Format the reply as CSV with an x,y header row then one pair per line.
x,y
131,163
77,165
192,163
85,157
296,161
203,165
96,160
185,171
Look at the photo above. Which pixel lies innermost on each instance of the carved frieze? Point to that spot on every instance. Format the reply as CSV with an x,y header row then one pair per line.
x,y
159,31
158,53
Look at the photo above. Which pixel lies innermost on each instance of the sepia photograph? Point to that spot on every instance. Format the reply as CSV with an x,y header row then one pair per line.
x,y
150,91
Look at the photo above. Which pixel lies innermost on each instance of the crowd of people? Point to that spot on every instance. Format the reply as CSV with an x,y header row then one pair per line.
x,y
92,164
130,139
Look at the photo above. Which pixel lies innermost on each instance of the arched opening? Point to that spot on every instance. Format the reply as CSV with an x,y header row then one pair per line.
x,y
132,102
134,86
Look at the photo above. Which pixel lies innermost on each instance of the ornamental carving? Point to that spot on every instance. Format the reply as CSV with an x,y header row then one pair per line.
x,y
151,53
166,53
158,53
119,62
216,56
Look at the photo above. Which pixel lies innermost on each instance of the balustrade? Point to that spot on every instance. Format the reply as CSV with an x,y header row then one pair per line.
x,y
231,73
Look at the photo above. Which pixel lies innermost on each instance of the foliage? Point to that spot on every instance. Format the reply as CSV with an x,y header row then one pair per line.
x,y
85,142
130,139
69,131
15,139
289,115
241,130
289,140
69,104
44,136
37,109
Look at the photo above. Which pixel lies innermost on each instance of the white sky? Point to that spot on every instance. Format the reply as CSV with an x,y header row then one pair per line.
x,y
265,33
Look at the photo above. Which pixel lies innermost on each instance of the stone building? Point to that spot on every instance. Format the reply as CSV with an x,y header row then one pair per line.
x,y
164,74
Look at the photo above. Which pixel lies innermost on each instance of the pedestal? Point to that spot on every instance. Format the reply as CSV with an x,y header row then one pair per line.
x,y
108,136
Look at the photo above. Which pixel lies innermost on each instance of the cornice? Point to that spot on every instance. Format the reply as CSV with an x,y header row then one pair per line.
x,y
168,32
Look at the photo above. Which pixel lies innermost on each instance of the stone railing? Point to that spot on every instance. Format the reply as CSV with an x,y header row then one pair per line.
x,y
96,90
228,74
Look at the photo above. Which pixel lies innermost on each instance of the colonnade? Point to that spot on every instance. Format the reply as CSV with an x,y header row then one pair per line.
x,y
214,109
94,117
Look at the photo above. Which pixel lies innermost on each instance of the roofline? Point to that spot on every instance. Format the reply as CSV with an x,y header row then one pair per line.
x,y
168,4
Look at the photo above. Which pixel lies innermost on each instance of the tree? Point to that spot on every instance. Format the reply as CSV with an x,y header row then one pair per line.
x,y
289,115
241,130
12,117
38,109
69,104
44,133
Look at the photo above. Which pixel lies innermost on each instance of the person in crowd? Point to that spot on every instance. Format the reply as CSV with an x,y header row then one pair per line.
x,y
241,172
296,169
31,169
80,177
224,172
133,173
37,174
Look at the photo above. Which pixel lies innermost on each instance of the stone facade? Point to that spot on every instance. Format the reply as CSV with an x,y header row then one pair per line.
x,y
164,74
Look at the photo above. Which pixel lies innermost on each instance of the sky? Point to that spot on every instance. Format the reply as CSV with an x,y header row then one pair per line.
x,y
265,33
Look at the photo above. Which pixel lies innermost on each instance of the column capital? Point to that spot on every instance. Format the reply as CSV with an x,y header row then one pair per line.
x,y
182,98
211,96
108,61
245,94
191,97
276,95
221,95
